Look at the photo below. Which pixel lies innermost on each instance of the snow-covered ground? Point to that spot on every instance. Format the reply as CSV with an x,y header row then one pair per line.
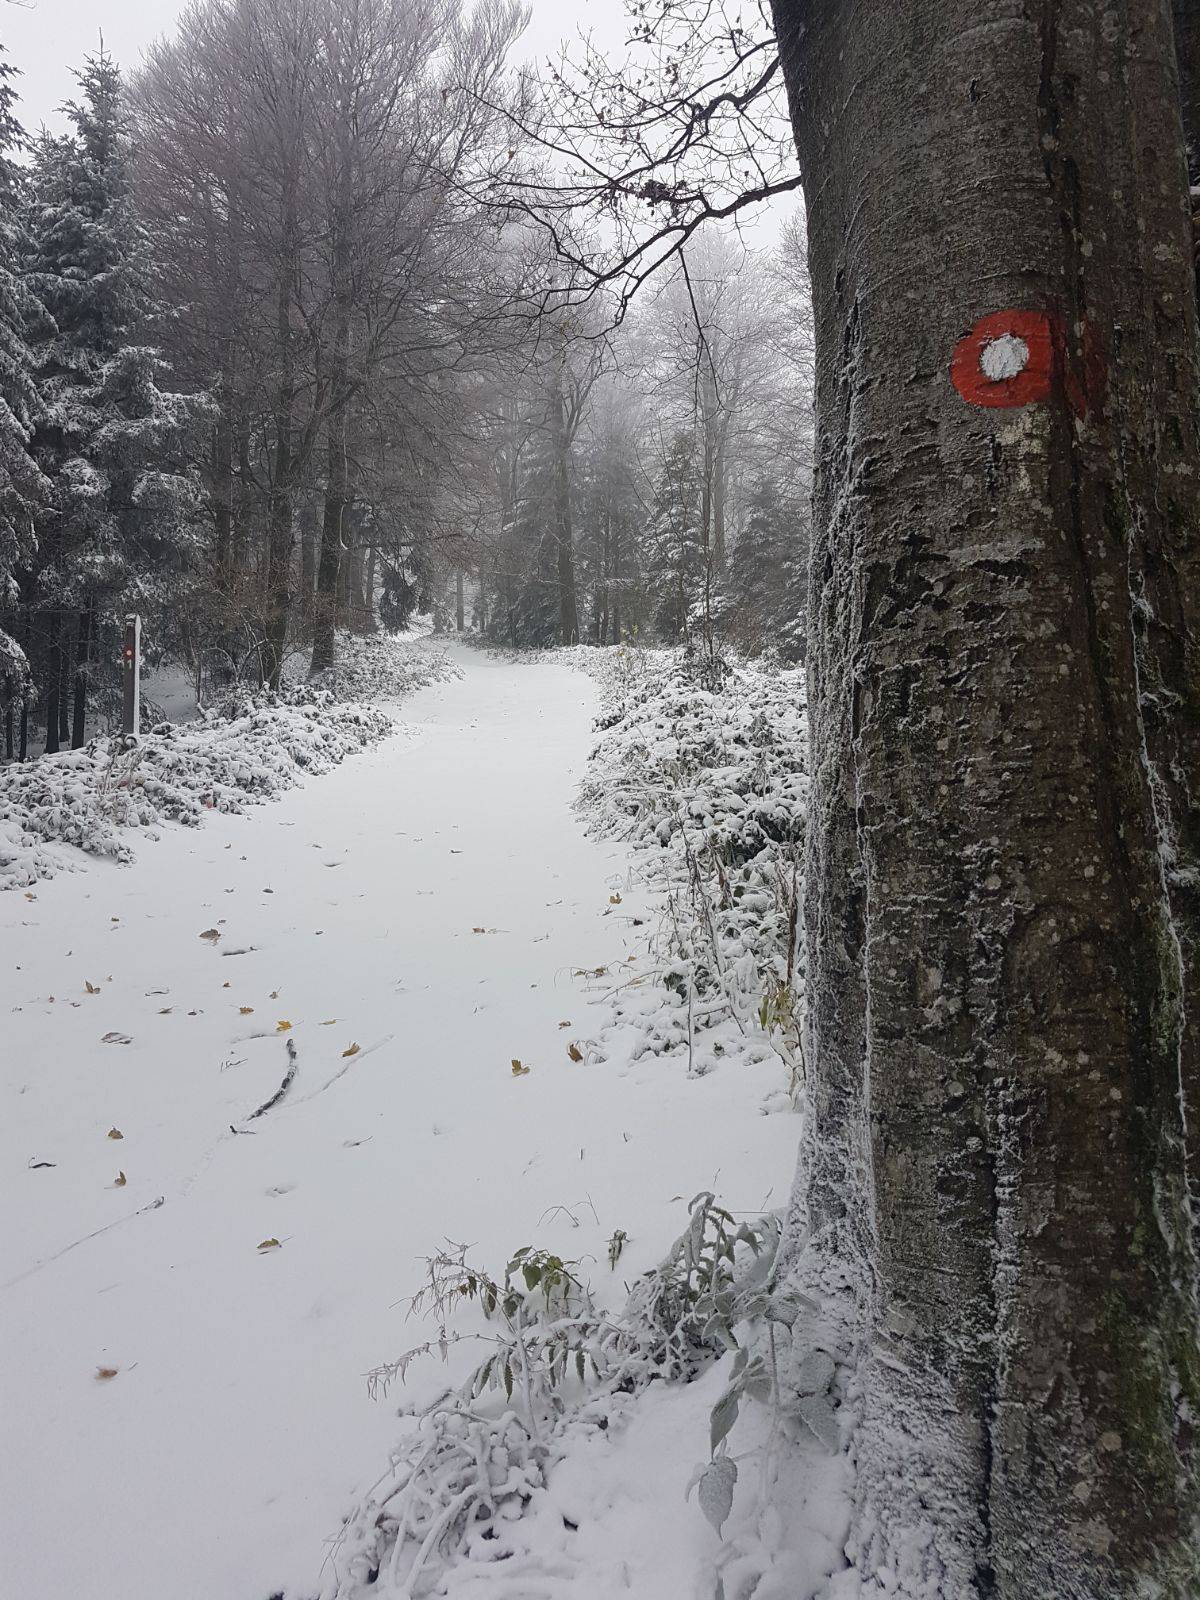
x,y
188,1310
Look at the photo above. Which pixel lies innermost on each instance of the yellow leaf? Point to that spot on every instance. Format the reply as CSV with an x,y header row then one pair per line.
x,y
517,1069
120,1181
115,1133
282,1027
104,1373
245,1010
614,899
270,1244
353,1051
575,1053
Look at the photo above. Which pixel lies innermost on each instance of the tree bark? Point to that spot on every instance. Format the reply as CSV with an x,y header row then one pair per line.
x,y
568,611
992,1198
459,600
279,510
54,679
82,655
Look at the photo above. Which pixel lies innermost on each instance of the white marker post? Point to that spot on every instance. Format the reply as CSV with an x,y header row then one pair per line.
x,y
131,674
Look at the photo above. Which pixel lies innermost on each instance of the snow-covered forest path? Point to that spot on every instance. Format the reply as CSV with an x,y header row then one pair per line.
x,y
220,1457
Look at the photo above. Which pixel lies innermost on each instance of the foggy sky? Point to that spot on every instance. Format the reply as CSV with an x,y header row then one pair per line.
x,y
46,38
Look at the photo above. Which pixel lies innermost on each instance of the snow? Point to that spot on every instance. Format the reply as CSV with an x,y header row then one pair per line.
x,y
433,902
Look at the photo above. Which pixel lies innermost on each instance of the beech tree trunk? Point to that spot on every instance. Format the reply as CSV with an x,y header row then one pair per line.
x,y
1003,856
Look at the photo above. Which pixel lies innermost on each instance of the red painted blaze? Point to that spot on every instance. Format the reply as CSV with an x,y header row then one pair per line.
x,y
1032,382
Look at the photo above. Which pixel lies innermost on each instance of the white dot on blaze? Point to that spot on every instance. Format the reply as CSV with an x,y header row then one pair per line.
x,y
1005,357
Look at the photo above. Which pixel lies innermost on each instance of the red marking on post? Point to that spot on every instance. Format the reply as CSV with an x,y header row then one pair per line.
x,y
1032,383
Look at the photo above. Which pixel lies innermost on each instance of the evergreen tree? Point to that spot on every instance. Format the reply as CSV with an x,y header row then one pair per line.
x,y
115,446
675,556
766,586
22,486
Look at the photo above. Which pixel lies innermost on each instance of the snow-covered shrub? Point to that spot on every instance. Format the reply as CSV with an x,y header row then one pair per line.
x,y
249,749
467,1486
709,785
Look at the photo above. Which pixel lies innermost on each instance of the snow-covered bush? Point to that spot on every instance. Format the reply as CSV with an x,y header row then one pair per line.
x,y
467,1488
708,784
250,748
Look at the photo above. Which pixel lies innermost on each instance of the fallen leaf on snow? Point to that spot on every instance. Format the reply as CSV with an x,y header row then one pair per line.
x,y
115,1133
353,1051
282,1026
269,1244
518,1070
274,994
120,1181
566,1024
575,1053
211,934
113,1037
92,988
104,1373
245,1010
331,1023
614,899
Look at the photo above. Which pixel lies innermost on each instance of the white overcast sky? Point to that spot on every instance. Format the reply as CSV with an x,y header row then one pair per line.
x,y
46,38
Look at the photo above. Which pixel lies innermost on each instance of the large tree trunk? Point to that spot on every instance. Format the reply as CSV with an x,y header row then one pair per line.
x,y
992,1198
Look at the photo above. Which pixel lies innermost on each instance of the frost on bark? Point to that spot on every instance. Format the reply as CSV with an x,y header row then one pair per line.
x,y
1003,854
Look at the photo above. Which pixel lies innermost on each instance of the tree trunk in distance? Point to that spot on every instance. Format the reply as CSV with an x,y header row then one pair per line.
x,y
459,602
54,678
82,656
992,1199
568,613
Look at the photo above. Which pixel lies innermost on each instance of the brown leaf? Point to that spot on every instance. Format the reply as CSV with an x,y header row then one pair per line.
x,y
575,1053
353,1051
282,1026
211,934
269,1244
274,994
566,1024
115,1133
165,1011
120,1181
330,1023
225,985
115,1037
614,899
104,1373
91,988
518,1070
245,1010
